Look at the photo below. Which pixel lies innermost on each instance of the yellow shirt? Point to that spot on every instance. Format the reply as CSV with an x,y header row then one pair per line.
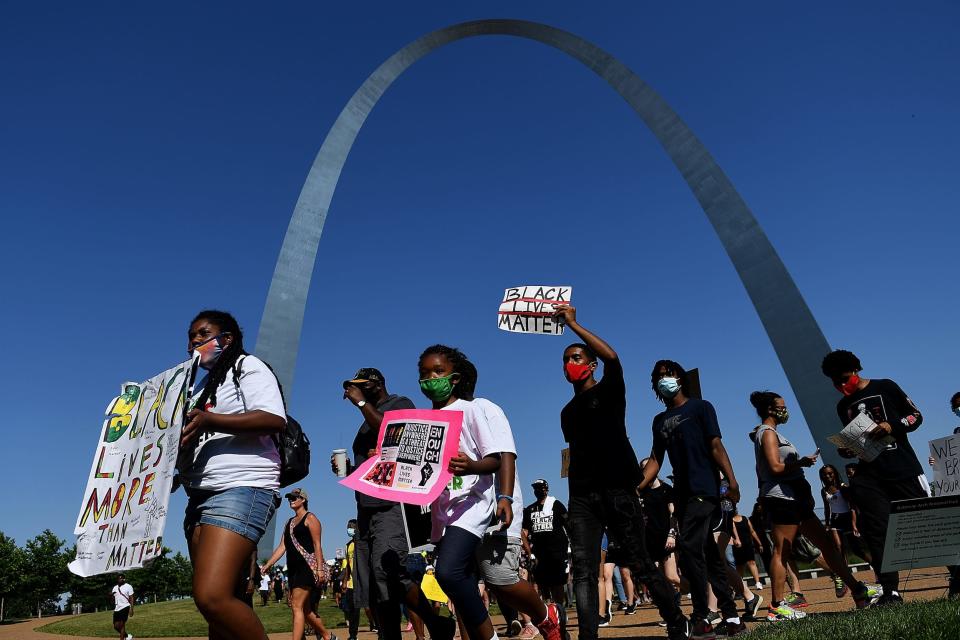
x,y
348,563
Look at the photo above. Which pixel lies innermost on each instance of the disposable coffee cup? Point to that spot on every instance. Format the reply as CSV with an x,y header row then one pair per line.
x,y
340,459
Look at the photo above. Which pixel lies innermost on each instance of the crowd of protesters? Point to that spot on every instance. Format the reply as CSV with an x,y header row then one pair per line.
x,y
624,528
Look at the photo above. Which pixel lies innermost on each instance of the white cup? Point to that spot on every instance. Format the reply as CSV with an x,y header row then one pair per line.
x,y
340,459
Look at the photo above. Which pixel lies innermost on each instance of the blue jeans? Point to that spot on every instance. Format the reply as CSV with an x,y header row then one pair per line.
x,y
619,511
243,510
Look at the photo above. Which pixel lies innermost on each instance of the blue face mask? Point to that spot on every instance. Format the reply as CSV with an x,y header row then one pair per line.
x,y
351,531
668,387
956,412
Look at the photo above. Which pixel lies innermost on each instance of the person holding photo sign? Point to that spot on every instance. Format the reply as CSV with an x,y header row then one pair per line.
x,y
381,580
463,511
230,469
895,474
603,476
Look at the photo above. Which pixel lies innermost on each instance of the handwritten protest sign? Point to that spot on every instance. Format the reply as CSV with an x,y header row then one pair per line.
x,y
124,506
946,465
415,446
922,533
854,437
530,309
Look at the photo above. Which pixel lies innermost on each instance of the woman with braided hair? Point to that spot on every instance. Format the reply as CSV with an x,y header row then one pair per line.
x,y
230,468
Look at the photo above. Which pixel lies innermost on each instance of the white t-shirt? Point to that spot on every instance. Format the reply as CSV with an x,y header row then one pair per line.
x,y
265,583
222,460
122,596
502,433
468,501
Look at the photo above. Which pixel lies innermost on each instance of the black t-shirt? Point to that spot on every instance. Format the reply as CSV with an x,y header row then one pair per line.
x,y
656,507
594,423
367,439
885,401
547,531
685,433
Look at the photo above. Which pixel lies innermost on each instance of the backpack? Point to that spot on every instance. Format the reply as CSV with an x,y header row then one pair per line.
x,y
292,443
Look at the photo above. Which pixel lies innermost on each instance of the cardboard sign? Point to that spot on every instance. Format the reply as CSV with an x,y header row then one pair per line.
x,y
530,309
124,507
415,447
946,465
854,437
922,533
565,462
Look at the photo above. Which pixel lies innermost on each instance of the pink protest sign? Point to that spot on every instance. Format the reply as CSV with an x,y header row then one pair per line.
x,y
415,447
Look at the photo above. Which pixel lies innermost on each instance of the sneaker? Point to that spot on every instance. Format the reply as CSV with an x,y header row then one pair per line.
x,y
796,600
889,599
409,627
866,595
753,606
702,630
758,586
727,629
680,631
783,611
529,632
604,621
515,628
630,610
839,589
550,628
714,618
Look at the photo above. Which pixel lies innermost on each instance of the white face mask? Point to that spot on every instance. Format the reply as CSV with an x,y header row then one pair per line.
x,y
668,387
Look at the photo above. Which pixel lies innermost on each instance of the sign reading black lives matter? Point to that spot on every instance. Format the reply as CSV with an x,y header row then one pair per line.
x,y
530,309
922,533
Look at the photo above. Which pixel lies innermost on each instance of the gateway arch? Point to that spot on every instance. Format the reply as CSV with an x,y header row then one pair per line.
x,y
797,339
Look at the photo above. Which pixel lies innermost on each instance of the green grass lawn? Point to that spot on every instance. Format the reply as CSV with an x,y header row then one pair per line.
x,y
929,620
180,618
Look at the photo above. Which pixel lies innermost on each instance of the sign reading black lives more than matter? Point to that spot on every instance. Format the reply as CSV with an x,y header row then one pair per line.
x,y
922,533
530,309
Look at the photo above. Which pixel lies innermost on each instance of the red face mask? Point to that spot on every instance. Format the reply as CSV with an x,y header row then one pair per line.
x,y
576,372
850,386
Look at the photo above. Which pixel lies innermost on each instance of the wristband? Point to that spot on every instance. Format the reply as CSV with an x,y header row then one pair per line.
x,y
505,497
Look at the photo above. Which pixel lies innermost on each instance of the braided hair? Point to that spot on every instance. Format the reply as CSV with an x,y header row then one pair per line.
x,y
461,364
225,363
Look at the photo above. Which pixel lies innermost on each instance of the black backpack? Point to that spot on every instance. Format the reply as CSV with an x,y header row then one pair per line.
x,y
292,443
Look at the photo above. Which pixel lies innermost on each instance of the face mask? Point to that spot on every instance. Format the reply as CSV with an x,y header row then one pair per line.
x,y
956,412
351,531
668,387
576,372
780,415
210,350
850,386
437,389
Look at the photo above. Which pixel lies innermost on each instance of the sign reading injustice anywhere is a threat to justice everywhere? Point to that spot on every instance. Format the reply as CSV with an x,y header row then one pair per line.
x,y
124,506
414,448
530,309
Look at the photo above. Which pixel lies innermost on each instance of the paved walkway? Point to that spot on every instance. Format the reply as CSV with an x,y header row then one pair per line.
x,y
922,584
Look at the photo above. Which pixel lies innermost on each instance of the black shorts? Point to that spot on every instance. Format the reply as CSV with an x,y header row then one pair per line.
x,y
743,554
122,615
785,511
842,522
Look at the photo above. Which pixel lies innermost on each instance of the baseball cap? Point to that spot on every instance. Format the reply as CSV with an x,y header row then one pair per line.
x,y
366,374
540,481
297,493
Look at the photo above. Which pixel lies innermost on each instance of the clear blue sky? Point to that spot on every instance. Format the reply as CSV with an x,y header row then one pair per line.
x,y
150,158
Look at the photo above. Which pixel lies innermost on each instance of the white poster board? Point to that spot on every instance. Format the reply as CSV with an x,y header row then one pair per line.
x,y
124,506
854,437
529,309
946,465
922,533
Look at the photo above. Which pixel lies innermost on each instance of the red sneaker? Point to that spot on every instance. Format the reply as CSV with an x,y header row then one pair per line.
x,y
550,628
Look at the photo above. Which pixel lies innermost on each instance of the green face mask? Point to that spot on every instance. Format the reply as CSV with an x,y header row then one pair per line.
x,y
780,415
437,389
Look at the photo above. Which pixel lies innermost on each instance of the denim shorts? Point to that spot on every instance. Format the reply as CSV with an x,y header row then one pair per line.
x,y
243,510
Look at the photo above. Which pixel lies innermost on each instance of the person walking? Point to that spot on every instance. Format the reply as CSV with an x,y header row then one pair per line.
x,y
745,548
348,601
896,473
544,529
603,477
122,594
689,433
306,567
230,468
788,500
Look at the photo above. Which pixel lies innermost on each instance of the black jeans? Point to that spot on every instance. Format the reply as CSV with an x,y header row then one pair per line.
x,y
619,511
872,496
699,556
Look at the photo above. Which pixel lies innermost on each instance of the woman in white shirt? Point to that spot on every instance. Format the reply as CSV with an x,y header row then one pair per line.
x,y
230,469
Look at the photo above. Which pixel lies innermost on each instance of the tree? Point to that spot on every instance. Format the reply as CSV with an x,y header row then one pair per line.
x,y
45,574
11,572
